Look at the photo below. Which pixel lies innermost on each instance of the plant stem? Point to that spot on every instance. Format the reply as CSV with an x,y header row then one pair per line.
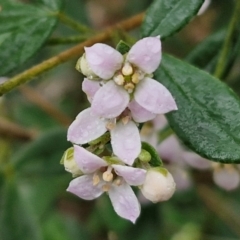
x,y
73,52
72,23
67,40
12,130
221,64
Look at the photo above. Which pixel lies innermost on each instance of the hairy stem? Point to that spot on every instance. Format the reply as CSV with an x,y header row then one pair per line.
x,y
73,52
221,64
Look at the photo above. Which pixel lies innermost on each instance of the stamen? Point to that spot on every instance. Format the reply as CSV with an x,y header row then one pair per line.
x,y
135,78
127,69
125,120
119,79
106,187
108,176
96,179
129,86
118,181
111,124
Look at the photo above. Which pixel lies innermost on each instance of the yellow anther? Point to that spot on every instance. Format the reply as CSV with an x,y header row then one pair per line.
x,y
135,78
127,69
110,125
129,86
119,79
96,179
118,181
106,187
125,120
107,176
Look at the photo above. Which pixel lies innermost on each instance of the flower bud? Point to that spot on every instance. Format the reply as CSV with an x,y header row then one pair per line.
x,y
70,164
83,67
226,177
144,156
159,185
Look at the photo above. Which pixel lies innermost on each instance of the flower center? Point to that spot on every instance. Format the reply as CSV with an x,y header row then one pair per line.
x,y
128,77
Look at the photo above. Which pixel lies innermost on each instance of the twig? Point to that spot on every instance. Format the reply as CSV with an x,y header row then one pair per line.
x,y
68,54
34,97
12,130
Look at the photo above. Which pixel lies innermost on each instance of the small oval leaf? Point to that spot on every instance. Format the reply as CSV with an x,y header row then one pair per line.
x,y
208,113
165,17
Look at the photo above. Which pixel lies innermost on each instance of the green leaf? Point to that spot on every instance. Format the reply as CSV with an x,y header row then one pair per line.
x,y
165,17
16,219
155,158
207,119
23,30
43,155
207,51
123,47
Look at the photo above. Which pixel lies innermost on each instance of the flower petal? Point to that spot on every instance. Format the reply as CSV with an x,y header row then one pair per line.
x,y
90,87
146,54
103,60
86,127
83,187
227,179
140,114
110,100
133,176
154,97
87,161
124,202
196,161
126,143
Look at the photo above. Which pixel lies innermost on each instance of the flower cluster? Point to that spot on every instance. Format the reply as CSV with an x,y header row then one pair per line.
x,y
107,155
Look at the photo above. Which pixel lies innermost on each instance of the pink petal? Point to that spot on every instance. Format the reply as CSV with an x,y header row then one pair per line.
x,y
140,114
110,100
90,87
146,54
196,161
227,179
83,187
124,202
126,143
103,60
154,97
160,122
86,127
171,150
87,161
133,176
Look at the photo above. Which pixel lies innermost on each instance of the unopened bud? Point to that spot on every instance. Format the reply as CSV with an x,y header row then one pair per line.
x,y
144,156
83,67
159,185
70,163
226,178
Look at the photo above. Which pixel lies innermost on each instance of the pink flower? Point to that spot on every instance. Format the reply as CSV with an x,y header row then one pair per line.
x,y
125,138
125,75
100,177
